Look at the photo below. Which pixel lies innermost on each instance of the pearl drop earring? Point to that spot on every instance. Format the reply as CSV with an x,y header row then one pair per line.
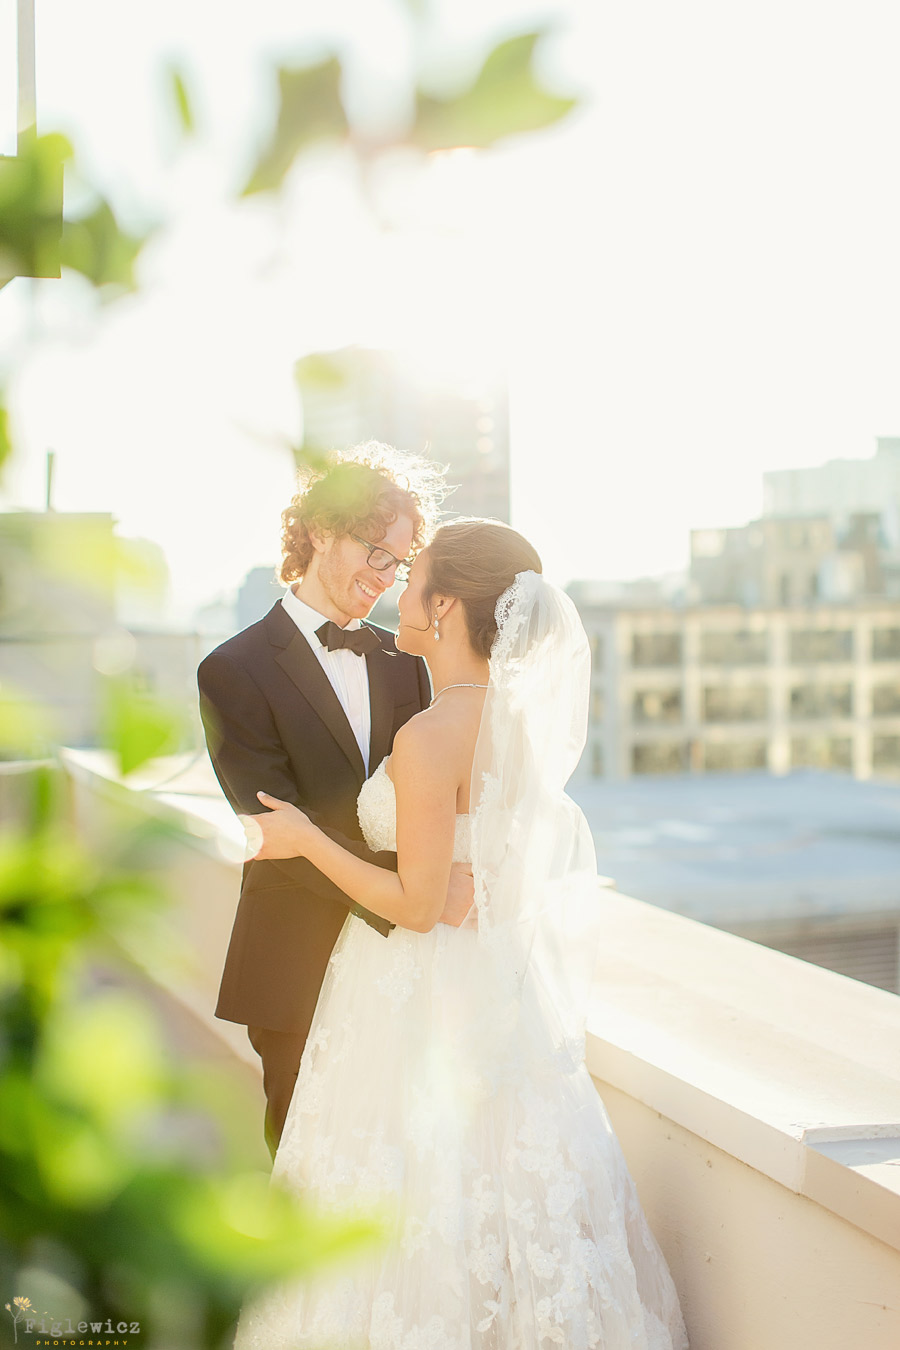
x,y
437,636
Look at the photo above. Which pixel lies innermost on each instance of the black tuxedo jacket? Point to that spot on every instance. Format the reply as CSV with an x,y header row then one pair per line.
x,y
274,724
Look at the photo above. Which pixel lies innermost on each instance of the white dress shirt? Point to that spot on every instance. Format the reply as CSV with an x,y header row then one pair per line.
x,y
347,673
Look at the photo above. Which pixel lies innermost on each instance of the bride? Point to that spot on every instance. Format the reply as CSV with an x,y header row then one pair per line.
x,y
443,1081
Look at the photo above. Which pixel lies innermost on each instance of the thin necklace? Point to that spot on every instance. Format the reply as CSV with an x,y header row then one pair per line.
x,y
456,686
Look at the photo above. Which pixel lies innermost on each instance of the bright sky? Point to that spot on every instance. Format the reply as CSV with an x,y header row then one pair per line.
x,y
694,279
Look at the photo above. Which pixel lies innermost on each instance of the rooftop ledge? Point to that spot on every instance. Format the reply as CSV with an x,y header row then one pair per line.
x,y
789,1068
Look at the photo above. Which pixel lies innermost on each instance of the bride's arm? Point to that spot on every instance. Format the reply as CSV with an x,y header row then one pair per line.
x,y
422,768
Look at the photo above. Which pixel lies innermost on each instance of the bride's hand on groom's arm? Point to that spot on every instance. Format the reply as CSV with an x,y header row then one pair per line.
x,y
280,832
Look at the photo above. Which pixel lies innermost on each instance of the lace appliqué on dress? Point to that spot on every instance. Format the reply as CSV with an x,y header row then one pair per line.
x,y
514,1224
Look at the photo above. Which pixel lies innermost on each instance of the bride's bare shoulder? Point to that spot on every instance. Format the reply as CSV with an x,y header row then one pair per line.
x,y
436,736
423,731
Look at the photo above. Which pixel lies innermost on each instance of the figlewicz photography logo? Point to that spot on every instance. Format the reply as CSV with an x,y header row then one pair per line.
x,y
49,1330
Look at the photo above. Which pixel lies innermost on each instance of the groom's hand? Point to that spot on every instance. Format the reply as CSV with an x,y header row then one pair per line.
x,y
460,895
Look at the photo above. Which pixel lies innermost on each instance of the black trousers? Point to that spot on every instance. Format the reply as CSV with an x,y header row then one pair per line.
x,y
280,1053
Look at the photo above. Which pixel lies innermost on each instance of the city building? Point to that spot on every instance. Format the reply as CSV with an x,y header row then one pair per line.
x,y
706,688
794,560
257,594
356,394
63,629
839,488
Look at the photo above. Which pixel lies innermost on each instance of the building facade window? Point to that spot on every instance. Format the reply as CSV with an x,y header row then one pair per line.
x,y
659,757
724,703
821,700
886,644
821,644
734,755
597,705
738,648
886,752
656,649
821,752
596,760
886,699
656,705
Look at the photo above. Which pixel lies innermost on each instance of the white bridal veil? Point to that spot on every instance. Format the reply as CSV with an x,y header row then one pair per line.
x,y
537,898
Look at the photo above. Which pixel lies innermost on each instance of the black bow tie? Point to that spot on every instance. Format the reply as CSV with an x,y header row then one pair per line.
x,y
359,640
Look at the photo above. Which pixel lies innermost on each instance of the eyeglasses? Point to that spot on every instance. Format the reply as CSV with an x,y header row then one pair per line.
x,y
381,560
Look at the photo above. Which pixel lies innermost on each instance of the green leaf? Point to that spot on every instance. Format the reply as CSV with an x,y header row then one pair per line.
x,y
310,110
31,204
182,101
35,241
504,99
103,1055
261,1231
97,247
5,438
138,727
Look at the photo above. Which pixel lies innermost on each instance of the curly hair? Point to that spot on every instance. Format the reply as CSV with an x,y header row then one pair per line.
x,y
364,490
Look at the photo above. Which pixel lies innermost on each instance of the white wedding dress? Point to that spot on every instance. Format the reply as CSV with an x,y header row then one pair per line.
x,y
517,1225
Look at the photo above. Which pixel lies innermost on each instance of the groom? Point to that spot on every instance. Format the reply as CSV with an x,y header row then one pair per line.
x,y
304,705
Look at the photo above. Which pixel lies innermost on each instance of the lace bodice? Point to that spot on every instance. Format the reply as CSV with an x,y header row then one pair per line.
x,y
376,808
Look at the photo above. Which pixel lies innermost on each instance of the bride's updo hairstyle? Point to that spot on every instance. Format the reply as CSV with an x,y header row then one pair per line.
x,y
475,561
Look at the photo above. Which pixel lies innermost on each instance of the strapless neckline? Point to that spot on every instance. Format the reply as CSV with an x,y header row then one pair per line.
x,y
376,808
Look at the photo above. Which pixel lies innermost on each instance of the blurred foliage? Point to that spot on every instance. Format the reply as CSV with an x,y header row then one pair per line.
x,y
309,111
35,239
504,99
123,1191
141,564
27,725
140,726
75,559
5,437
96,246
115,1179
181,101
31,201
82,548
319,370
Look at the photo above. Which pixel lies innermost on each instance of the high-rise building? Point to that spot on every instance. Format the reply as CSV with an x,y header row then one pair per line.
x,y
357,394
840,488
794,560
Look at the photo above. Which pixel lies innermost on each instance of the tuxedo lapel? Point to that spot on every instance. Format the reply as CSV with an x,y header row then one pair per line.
x,y
381,705
299,661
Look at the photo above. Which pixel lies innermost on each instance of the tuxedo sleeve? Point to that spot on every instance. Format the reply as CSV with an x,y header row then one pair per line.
x,y
247,756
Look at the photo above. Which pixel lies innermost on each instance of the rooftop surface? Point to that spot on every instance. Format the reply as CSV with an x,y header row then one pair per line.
x,y
750,847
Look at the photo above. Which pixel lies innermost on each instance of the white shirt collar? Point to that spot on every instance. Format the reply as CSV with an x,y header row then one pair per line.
x,y
308,619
